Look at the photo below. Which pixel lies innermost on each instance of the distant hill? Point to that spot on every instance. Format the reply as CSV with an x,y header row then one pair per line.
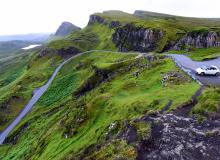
x,y
65,29
8,48
35,37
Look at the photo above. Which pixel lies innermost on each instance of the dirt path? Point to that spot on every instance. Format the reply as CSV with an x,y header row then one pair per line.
x,y
185,109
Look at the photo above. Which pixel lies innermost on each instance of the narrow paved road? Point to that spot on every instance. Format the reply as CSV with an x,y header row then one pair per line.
x,y
37,95
190,66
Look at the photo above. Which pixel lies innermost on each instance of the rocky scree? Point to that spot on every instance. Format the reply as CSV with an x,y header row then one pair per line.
x,y
175,137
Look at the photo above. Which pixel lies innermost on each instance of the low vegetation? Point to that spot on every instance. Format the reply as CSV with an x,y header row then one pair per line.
x,y
98,95
63,125
19,77
208,104
92,37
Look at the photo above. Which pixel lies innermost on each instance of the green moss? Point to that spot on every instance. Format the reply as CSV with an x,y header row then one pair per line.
x,y
117,149
143,130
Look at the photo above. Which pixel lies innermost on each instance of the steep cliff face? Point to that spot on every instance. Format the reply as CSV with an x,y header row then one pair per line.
x,y
96,19
132,38
198,39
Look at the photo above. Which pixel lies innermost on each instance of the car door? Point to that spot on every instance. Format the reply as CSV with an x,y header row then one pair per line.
x,y
209,71
213,70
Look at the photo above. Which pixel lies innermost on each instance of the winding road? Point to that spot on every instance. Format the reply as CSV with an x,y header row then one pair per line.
x,y
190,66
182,61
37,95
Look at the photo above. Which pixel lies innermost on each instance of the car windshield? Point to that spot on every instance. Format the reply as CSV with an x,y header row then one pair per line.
x,y
205,67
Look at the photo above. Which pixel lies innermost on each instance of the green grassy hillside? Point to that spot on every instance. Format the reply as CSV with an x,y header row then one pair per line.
x,y
92,37
72,115
97,94
19,76
98,35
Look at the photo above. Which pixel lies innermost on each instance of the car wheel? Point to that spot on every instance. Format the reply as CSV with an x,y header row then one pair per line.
x,y
217,74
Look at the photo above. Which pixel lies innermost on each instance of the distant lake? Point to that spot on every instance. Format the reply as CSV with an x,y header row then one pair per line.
x,y
31,46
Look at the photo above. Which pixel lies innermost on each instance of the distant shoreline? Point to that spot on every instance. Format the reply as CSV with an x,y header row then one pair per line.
x,y
31,46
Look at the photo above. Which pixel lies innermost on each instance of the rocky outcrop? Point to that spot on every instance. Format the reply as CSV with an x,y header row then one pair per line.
x,y
63,52
96,19
132,38
67,52
176,137
174,78
114,24
65,29
198,39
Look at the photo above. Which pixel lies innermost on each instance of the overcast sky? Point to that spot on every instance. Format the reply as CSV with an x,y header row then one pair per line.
x,y
34,16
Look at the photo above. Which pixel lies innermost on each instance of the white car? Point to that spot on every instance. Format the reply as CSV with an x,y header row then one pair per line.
x,y
208,70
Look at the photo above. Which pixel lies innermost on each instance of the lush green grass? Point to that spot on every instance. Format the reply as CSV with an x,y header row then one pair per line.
x,y
20,76
208,103
201,54
85,120
99,36
174,27
12,67
92,37
78,108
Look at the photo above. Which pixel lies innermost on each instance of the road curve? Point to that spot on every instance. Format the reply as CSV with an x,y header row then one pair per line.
x,y
190,66
37,95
